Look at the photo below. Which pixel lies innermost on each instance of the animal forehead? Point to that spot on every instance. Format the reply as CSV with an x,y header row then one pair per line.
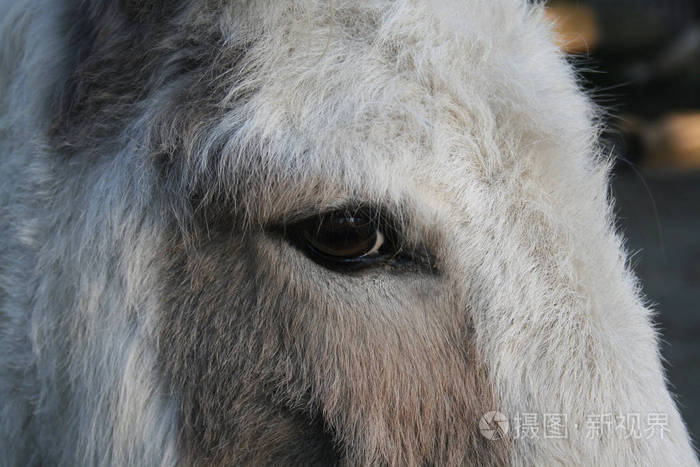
x,y
377,100
379,70
343,83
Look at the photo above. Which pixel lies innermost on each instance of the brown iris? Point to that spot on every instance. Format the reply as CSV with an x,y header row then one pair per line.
x,y
343,240
355,238
342,236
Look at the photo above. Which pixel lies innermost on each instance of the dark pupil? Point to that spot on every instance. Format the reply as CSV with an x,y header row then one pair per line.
x,y
342,237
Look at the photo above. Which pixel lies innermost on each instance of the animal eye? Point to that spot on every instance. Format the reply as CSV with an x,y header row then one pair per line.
x,y
342,239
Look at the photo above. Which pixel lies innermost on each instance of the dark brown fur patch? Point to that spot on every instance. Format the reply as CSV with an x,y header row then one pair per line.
x,y
121,54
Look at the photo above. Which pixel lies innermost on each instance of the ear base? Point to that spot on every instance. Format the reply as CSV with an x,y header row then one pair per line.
x,y
136,11
148,11
110,61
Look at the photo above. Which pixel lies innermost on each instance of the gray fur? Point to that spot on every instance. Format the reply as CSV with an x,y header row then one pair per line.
x,y
151,313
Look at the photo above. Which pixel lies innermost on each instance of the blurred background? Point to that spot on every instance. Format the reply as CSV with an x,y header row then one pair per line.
x,y
640,60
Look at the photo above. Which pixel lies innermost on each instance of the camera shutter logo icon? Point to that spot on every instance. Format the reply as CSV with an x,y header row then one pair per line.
x,y
494,425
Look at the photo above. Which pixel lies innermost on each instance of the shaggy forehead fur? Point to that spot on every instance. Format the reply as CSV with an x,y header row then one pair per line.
x,y
151,315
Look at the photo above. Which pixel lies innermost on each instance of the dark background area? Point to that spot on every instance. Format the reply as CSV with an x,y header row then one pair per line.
x,y
640,60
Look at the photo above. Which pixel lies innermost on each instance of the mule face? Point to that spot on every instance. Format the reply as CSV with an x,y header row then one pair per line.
x,y
168,297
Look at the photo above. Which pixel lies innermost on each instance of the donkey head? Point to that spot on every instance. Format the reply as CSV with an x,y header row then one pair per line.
x,y
330,232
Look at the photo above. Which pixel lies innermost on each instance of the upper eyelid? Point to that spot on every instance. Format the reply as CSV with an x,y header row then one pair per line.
x,y
378,214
